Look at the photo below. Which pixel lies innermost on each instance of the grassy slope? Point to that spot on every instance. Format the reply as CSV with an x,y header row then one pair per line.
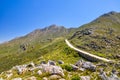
x,y
55,48
101,28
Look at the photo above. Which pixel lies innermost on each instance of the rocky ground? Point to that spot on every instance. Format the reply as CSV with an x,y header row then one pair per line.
x,y
58,70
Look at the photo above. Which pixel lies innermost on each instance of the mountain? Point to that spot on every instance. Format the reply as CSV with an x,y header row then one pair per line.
x,y
100,37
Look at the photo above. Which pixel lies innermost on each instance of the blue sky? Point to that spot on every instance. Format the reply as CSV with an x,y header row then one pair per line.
x,y
19,17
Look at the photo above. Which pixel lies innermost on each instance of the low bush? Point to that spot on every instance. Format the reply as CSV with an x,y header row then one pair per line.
x,y
67,67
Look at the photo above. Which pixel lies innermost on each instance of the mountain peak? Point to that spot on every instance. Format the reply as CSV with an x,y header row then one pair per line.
x,y
52,26
110,13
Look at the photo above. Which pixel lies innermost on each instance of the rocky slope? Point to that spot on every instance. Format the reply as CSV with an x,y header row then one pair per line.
x,y
100,37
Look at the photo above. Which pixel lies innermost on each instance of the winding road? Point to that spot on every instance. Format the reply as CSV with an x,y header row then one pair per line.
x,y
86,54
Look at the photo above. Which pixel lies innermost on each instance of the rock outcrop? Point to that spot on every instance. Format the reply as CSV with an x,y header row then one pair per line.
x,y
85,65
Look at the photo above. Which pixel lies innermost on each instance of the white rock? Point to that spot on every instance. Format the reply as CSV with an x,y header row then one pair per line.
x,y
17,79
8,75
39,72
31,78
54,77
85,77
52,69
45,78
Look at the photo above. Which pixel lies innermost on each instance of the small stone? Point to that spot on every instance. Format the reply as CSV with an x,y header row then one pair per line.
x,y
31,65
44,78
9,75
43,62
31,78
54,77
60,62
85,77
117,56
81,69
74,67
51,62
79,63
39,72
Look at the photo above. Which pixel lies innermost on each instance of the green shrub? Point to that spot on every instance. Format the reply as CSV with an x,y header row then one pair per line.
x,y
67,67
75,77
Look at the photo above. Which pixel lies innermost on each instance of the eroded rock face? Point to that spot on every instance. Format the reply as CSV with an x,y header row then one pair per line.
x,y
84,32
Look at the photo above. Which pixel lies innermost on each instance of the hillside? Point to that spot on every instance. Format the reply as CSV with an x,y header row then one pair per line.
x,y
20,50
100,37
43,53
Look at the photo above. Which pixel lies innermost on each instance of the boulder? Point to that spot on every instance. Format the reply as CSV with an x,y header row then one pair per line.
x,y
54,77
114,77
9,74
50,62
102,64
117,56
118,37
31,65
21,69
60,62
85,77
74,67
85,65
89,65
51,69
87,31
23,47
103,76
43,62
57,70
79,63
